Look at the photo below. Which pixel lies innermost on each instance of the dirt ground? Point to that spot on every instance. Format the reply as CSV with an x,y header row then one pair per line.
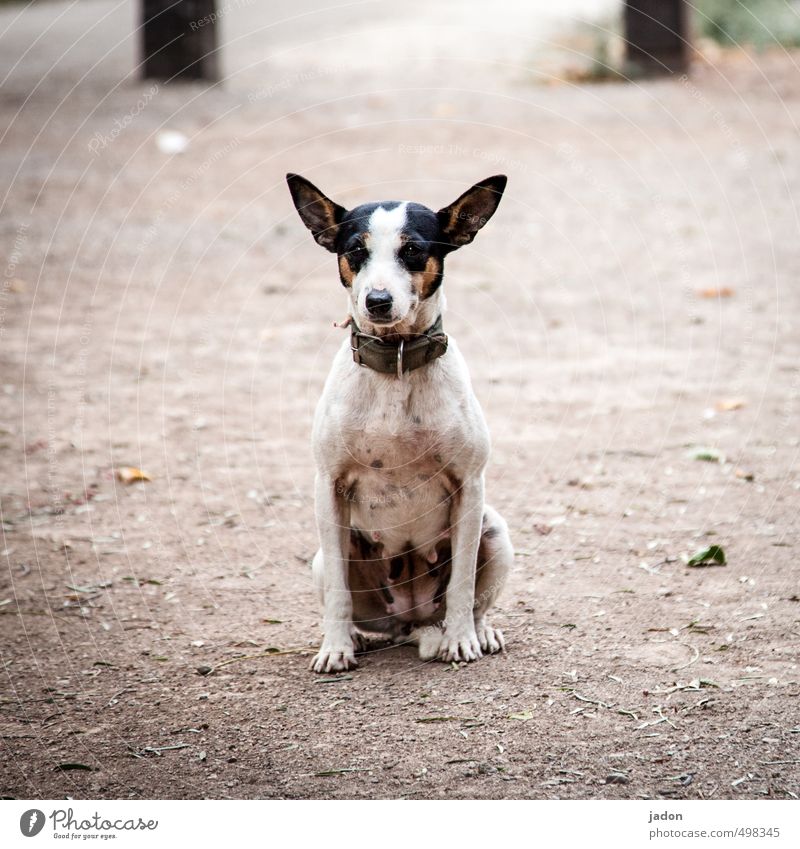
x,y
170,312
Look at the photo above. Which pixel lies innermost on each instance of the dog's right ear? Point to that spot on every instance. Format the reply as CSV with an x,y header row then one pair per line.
x,y
461,220
319,213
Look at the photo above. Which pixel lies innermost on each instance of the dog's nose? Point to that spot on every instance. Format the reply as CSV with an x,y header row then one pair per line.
x,y
379,303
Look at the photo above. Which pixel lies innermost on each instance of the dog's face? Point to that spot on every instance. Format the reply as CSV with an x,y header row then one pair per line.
x,y
391,254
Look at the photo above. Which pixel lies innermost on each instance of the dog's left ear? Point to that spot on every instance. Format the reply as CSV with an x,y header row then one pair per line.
x,y
461,220
319,213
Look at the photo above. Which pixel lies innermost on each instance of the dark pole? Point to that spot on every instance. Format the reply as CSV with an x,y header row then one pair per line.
x,y
179,39
657,37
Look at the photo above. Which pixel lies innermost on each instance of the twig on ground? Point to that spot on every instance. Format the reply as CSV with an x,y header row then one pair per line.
x,y
155,750
695,655
210,670
597,702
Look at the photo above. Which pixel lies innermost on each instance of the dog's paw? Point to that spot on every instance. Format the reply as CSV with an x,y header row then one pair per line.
x,y
450,646
491,639
334,659
360,643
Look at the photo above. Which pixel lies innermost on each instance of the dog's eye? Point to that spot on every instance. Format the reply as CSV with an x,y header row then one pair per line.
x,y
357,254
411,251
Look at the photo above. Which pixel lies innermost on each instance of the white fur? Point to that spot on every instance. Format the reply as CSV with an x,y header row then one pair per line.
x,y
382,270
428,433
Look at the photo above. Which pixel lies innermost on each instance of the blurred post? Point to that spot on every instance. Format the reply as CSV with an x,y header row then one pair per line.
x,y
179,39
657,37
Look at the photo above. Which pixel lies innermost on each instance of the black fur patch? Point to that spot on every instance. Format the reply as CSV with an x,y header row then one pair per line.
x,y
423,245
461,220
396,566
365,550
427,236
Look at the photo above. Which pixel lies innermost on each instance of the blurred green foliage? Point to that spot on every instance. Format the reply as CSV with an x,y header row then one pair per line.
x,y
752,22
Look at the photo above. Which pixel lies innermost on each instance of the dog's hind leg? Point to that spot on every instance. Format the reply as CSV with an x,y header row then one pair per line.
x,y
495,558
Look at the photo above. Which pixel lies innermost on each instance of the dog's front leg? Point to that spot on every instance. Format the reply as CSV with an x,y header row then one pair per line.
x,y
459,640
337,652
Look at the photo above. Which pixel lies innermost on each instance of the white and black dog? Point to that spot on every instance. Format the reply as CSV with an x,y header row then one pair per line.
x,y
408,548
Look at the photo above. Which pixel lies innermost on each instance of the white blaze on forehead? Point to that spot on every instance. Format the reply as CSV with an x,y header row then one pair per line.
x,y
382,271
385,227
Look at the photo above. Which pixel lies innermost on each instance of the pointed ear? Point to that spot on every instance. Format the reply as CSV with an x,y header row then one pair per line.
x,y
318,212
461,220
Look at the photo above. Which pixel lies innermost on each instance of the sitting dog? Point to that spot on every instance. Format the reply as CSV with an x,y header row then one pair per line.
x,y
408,548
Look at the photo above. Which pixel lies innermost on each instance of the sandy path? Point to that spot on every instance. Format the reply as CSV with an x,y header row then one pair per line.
x,y
171,313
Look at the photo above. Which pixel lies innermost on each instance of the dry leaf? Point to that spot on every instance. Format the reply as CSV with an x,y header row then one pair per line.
x,y
130,474
522,716
708,455
726,404
714,555
444,110
714,292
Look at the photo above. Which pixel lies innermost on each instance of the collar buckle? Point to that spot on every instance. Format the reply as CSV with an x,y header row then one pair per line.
x,y
356,353
396,358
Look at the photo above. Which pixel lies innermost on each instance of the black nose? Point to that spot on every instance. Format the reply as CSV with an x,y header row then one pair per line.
x,y
379,303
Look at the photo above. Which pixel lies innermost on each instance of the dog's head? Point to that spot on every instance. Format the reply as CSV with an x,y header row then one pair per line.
x,y
391,254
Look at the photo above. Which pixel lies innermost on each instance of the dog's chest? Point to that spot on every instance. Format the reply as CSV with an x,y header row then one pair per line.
x,y
399,479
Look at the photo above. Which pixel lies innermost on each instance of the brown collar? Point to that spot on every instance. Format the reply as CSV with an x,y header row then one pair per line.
x,y
397,357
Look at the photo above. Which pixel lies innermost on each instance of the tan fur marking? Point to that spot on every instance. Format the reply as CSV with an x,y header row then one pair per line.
x,y
345,271
423,280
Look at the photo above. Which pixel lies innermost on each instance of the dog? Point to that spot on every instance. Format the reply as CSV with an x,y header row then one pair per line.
x,y
408,548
